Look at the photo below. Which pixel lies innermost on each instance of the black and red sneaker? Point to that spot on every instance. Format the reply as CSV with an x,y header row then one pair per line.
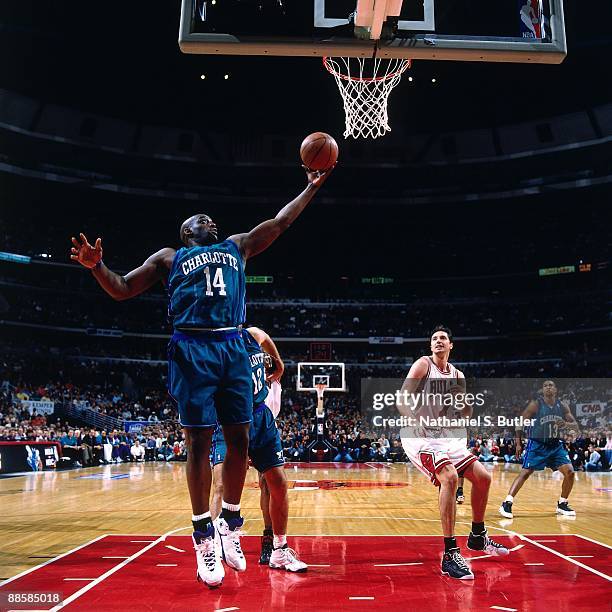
x,y
455,566
266,549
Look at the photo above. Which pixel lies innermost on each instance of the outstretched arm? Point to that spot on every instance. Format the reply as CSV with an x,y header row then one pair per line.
x,y
261,237
267,344
154,269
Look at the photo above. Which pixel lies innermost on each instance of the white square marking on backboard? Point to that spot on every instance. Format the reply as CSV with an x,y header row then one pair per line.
x,y
428,23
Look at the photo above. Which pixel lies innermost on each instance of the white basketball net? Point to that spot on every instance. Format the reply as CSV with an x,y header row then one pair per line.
x,y
365,85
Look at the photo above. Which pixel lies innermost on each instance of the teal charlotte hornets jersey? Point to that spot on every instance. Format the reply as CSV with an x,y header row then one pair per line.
x,y
256,357
206,287
548,420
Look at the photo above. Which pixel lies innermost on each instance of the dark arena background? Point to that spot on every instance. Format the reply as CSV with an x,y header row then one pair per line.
x,y
485,209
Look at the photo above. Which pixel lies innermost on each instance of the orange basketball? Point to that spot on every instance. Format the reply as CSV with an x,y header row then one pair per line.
x,y
319,151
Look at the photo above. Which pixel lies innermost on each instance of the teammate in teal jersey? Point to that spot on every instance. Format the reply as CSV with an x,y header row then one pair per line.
x,y
209,370
266,454
544,448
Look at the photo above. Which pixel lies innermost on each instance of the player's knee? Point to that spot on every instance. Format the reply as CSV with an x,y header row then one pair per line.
x,y
198,440
276,480
237,437
484,477
448,476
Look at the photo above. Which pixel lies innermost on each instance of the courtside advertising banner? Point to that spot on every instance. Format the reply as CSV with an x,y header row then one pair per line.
x,y
40,407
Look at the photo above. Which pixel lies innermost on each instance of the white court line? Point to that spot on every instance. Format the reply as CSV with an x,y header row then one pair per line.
x,y
52,560
562,556
533,564
554,552
370,598
226,609
517,547
396,564
580,556
545,540
174,548
113,569
501,608
594,541
167,564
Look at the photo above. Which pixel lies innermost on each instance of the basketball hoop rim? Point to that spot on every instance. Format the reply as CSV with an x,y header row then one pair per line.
x,y
406,63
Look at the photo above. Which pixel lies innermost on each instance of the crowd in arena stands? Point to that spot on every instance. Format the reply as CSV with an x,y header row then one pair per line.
x,y
94,447
86,446
483,315
136,392
587,450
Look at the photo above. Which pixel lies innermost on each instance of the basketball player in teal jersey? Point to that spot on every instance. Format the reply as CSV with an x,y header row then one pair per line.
x,y
544,448
266,453
209,372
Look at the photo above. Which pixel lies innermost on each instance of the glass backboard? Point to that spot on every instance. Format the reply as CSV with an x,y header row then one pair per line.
x,y
312,373
529,31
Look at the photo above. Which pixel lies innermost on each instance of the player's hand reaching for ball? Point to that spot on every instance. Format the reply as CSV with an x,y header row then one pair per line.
x,y
86,254
317,177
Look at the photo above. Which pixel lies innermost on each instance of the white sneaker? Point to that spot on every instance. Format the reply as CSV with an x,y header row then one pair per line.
x,y
229,535
210,569
287,559
565,509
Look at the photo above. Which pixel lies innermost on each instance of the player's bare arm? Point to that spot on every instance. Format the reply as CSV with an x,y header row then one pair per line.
x,y
569,418
460,388
418,371
528,413
262,236
267,344
154,269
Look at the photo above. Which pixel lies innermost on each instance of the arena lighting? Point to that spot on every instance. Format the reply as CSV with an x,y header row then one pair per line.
x,y
202,76
226,76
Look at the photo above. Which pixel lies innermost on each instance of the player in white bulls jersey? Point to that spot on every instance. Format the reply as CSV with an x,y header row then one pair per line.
x,y
440,451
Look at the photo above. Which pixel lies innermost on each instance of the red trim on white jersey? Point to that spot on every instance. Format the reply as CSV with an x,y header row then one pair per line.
x,y
449,365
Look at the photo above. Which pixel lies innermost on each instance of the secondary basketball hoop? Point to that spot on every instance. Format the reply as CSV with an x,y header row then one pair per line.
x,y
365,85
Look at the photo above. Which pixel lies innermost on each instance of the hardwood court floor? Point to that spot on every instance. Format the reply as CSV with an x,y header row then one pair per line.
x,y
47,514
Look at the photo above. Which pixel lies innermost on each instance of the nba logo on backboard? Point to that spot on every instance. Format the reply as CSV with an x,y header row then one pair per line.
x,y
532,19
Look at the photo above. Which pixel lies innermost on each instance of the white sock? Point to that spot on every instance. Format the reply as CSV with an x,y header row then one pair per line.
x,y
232,507
199,517
562,500
279,541
509,498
